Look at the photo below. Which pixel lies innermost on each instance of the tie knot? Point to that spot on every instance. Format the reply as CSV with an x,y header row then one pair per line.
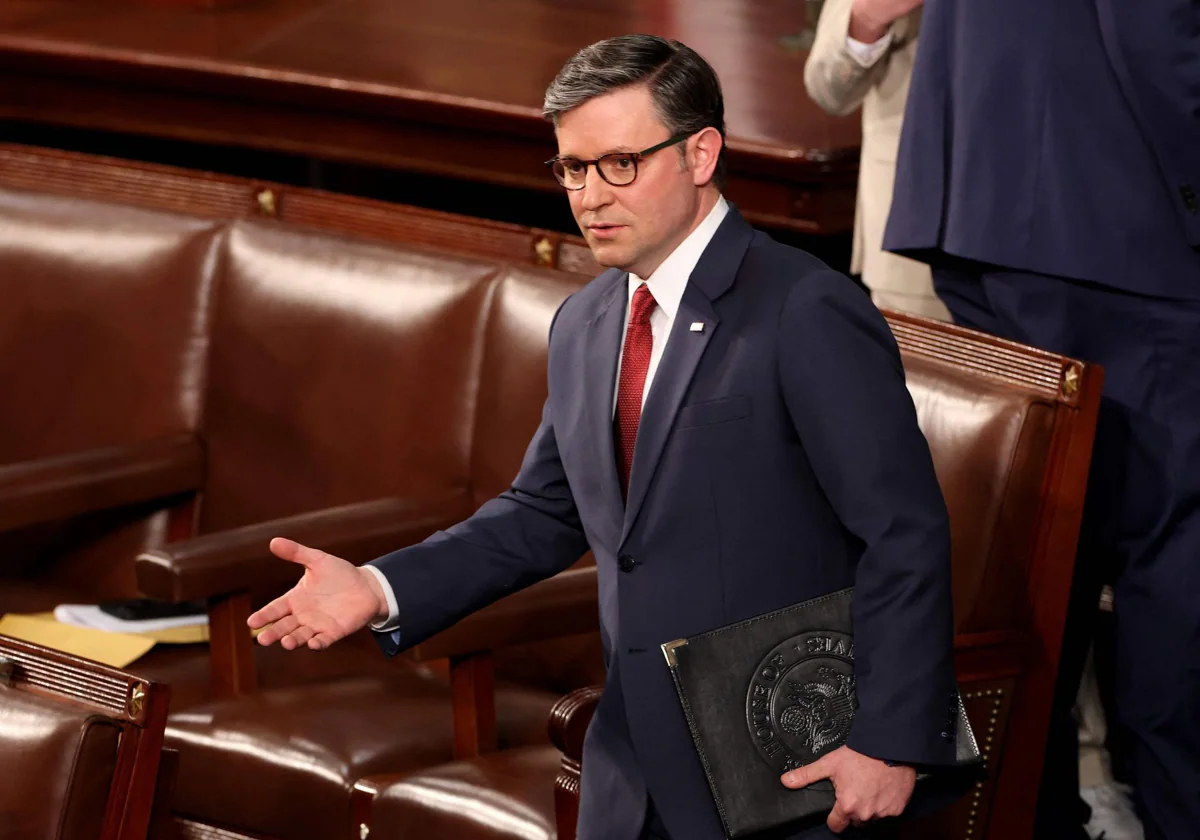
x,y
641,307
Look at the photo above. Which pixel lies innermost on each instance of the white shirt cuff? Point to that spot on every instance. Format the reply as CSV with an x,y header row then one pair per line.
x,y
393,619
867,54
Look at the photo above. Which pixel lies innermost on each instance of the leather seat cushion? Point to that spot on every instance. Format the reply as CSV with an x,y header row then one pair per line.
x,y
503,796
282,762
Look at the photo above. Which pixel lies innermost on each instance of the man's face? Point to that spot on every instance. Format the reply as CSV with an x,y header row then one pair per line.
x,y
634,227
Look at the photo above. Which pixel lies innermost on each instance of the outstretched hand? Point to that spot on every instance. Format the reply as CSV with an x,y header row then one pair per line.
x,y
867,788
332,600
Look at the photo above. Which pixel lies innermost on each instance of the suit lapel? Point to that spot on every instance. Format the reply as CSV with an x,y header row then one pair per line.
x,y
712,277
600,381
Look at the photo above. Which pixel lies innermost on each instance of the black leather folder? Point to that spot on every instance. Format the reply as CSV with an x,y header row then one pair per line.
x,y
776,692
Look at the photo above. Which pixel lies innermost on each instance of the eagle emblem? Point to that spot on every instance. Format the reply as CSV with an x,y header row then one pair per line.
x,y
800,701
821,710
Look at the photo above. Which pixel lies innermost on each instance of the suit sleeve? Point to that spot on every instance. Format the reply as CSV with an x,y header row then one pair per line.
x,y
1154,49
835,80
528,533
844,386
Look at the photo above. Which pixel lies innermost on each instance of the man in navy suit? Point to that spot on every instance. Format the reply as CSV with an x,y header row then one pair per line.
x,y
1049,170
728,430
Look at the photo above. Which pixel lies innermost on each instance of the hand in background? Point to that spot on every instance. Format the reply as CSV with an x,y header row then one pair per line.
x,y
871,19
332,600
867,788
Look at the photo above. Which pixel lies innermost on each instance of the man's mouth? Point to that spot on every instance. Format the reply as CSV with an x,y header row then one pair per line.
x,y
604,230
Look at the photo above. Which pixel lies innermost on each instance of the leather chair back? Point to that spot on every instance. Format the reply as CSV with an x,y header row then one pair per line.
x,y
103,338
341,371
103,327
512,387
990,445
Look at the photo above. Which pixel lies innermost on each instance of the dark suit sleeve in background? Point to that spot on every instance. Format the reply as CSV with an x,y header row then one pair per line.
x,y
1154,49
843,383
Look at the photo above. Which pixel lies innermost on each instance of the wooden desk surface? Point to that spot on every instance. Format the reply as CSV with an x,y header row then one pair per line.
x,y
452,87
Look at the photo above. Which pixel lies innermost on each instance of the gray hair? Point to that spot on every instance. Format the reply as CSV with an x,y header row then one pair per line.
x,y
683,86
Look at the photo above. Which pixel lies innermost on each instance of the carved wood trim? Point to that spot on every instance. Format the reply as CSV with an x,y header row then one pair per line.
x,y
1044,375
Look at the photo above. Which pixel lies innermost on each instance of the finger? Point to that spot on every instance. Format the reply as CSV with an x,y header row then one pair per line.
x,y
278,630
297,638
273,611
322,641
805,776
294,552
838,820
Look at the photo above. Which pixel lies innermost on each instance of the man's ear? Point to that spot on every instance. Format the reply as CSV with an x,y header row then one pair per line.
x,y
704,149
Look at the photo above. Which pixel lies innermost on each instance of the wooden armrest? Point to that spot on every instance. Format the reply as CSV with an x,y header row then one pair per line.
x,y
226,566
563,605
569,720
239,560
50,489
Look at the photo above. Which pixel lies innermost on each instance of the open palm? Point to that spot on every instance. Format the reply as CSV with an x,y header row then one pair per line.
x,y
332,600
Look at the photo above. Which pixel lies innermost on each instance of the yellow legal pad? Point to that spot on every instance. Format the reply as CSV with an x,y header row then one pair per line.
x,y
115,649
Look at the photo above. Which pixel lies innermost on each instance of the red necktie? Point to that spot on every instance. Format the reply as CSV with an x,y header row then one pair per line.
x,y
635,362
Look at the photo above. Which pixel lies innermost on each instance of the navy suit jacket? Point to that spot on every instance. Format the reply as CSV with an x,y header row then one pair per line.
x,y
1059,137
778,459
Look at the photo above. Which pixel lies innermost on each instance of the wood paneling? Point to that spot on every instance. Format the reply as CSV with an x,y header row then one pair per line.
x,y
451,88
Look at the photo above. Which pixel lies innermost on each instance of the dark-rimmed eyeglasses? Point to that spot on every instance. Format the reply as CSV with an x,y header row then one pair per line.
x,y
619,168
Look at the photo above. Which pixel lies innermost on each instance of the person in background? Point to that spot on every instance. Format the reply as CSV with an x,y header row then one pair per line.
x,y
863,55
1049,170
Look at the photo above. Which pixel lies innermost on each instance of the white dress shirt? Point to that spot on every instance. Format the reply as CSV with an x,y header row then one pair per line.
x,y
666,284
868,54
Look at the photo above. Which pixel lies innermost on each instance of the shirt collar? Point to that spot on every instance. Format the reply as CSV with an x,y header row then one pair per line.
x,y
670,279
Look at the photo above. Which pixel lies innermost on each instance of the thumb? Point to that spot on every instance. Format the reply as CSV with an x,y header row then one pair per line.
x,y
294,552
804,776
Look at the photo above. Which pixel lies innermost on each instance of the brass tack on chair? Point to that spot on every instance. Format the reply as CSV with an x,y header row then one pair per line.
x,y
137,700
268,202
543,251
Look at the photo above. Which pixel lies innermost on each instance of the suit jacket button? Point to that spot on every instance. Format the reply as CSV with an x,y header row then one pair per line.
x,y
626,563
1189,198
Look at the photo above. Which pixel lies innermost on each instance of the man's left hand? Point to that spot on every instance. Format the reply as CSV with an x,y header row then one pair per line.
x,y
867,789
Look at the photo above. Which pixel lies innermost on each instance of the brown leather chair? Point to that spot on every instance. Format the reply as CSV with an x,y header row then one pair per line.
x,y
101,340
340,410
107,270
80,745
1011,431
402,345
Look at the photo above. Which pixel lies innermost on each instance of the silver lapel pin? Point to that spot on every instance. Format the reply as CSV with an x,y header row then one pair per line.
x,y
698,326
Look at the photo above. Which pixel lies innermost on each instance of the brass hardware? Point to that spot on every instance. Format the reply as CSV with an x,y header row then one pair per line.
x,y
137,700
364,831
1070,381
268,203
669,651
543,251
8,671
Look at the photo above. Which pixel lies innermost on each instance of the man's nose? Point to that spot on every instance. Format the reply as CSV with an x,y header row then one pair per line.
x,y
596,192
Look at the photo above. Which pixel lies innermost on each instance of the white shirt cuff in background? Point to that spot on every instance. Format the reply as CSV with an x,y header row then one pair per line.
x,y
393,619
868,54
